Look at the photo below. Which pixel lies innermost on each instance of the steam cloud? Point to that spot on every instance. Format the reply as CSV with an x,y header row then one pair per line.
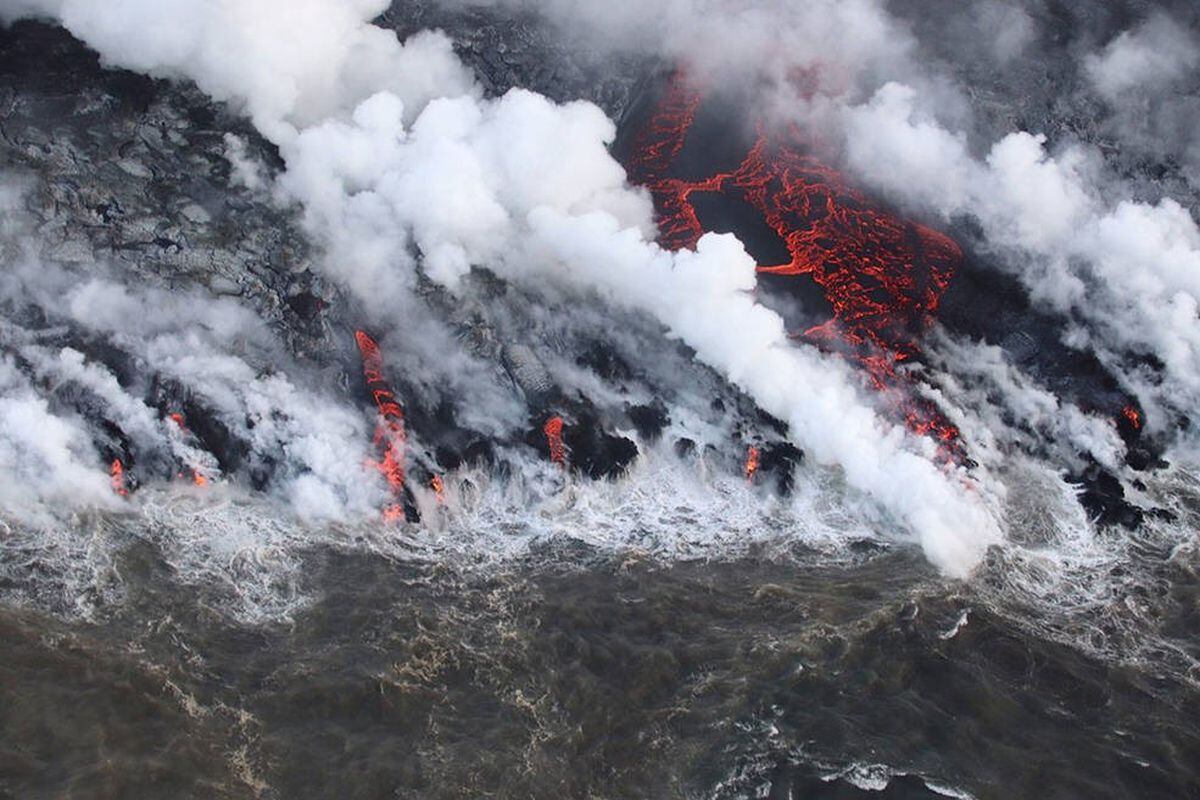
x,y
399,164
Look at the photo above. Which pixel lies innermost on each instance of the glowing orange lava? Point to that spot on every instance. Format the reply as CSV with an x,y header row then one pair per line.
x,y
753,460
198,478
554,440
439,489
1133,416
390,434
116,474
884,276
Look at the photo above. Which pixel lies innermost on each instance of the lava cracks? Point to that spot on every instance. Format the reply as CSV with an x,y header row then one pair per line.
x,y
883,276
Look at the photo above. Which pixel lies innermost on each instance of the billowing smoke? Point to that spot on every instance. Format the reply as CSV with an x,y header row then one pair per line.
x,y
1154,55
393,155
401,169
1127,269
1118,260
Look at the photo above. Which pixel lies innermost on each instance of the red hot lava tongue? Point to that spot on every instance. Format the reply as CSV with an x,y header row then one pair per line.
x,y
883,276
116,474
554,440
390,434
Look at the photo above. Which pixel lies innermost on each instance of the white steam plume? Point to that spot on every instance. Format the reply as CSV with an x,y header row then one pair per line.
x,y
47,460
1130,269
520,185
1157,52
1126,268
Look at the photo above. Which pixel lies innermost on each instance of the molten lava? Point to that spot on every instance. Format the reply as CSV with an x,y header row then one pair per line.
x,y
753,461
116,474
1133,416
554,440
439,489
390,435
198,478
883,276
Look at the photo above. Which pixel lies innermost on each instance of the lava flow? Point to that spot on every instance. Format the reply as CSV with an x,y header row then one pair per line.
x,y
198,477
554,440
390,434
883,276
753,460
116,474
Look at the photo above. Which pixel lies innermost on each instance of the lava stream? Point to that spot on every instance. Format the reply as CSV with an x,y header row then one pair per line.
x,y
554,440
198,477
390,434
116,474
753,460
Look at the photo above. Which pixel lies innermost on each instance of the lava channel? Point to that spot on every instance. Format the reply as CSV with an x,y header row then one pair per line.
x,y
390,435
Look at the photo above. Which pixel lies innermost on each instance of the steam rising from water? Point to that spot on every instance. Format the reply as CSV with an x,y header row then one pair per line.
x,y
400,166
524,187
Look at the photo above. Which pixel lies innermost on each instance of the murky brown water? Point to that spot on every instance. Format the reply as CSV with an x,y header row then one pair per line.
x,y
569,674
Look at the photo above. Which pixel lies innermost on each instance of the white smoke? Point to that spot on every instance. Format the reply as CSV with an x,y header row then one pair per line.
x,y
1156,52
1146,77
391,153
1130,269
210,347
46,459
1124,267
1001,410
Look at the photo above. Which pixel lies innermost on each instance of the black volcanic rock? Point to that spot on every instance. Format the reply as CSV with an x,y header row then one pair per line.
x,y
649,420
135,171
1103,498
597,453
781,459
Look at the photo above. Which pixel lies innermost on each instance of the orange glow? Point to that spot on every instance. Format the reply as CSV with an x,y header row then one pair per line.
x,y
116,474
753,460
439,489
1135,418
198,479
391,437
883,275
554,440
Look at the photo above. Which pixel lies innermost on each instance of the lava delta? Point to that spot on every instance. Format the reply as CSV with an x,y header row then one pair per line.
x,y
881,277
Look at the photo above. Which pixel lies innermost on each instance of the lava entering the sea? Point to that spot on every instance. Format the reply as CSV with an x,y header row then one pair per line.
x,y
116,474
180,422
390,434
554,440
882,275
753,460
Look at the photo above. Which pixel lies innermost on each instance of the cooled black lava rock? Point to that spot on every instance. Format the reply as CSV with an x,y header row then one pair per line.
x,y
509,50
201,421
590,449
781,459
597,453
649,420
685,448
475,451
605,361
135,172
1103,497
